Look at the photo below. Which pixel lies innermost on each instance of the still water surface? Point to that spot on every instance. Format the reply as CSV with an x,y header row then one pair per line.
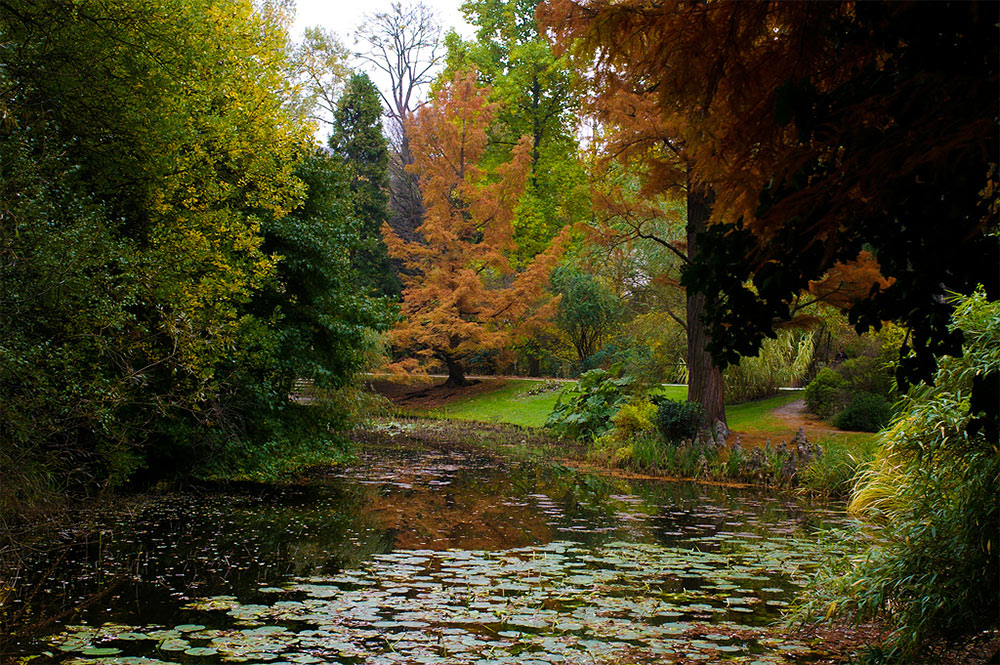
x,y
451,557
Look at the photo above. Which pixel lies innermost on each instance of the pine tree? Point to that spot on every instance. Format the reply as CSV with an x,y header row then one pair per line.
x,y
358,139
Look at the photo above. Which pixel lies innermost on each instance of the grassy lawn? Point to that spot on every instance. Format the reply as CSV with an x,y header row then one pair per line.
x,y
756,416
512,404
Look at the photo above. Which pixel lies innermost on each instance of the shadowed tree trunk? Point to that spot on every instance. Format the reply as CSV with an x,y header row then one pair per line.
x,y
456,373
705,383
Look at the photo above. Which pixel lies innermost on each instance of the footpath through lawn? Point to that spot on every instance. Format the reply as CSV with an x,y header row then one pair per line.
x,y
528,403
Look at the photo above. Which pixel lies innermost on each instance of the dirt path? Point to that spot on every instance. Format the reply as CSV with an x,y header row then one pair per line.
x,y
796,416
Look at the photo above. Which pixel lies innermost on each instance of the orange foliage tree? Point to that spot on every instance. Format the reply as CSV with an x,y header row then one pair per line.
x,y
461,294
823,129
652,143
850,282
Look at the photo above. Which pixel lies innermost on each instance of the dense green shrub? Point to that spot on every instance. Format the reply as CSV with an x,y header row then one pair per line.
x,y
679,421
867,412
865,375
853,395
825,394
586,408
635,418
632,439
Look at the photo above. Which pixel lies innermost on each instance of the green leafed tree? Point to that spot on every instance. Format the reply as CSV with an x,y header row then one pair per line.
x,y
159,139
537,99
359,141
588,309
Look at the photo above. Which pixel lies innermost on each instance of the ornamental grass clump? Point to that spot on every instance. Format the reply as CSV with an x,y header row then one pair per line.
x,y
927,563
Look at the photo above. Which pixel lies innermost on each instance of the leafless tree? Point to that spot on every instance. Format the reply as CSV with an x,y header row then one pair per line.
x,y
403,44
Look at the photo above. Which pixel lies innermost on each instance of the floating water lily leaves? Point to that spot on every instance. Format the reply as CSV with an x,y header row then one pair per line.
x,y
599,598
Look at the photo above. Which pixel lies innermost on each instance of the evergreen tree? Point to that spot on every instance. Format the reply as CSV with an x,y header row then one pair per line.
x,y
358,139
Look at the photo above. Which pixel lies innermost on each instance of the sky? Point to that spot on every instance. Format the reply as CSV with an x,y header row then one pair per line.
x,y
343,16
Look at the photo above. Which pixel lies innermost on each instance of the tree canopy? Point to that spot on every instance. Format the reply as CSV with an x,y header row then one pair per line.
x,y
160,296
824,129
536,97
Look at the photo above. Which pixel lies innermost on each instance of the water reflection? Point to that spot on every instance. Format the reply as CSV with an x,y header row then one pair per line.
x,y
415,555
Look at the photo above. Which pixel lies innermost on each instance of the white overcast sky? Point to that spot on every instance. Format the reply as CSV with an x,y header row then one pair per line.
x,y
343,16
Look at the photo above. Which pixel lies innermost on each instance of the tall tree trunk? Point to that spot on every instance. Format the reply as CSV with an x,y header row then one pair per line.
x,y
456,373
406,204
705,384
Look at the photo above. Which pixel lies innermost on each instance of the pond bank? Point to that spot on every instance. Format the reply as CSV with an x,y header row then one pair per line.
x,y
798,464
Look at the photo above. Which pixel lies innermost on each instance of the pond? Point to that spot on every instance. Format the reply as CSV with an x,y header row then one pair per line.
x,y
418,555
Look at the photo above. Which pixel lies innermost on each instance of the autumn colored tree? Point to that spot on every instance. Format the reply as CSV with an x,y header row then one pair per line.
x,y
538,99
850,282
646,145
823,129
461,293
826,129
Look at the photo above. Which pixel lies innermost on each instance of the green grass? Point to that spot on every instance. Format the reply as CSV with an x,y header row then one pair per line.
x,y
508,404
678,393
511,404
756,416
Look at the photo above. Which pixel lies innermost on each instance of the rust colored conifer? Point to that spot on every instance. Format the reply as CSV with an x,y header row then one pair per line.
x,y
461,294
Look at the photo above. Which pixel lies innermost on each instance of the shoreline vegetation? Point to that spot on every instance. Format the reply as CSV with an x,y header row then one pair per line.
x,y
763,449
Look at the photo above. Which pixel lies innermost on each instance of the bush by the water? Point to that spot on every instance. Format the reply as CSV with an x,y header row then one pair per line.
x,y
631,436
927,559
174,258
835,469
867,412
679,421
